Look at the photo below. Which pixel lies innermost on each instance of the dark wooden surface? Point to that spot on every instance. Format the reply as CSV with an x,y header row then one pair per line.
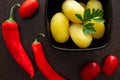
x,y
66,63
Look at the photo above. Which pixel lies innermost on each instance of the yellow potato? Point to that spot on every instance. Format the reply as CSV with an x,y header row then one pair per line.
x,y
60,27
94,4
72,7
100,29
81,39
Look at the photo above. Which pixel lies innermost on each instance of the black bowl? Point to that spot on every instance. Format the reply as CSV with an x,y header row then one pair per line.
x,y
54,6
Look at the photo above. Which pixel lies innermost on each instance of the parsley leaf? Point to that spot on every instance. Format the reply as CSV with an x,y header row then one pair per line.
x,y
95,15
79,16
86,13
89,29
99,19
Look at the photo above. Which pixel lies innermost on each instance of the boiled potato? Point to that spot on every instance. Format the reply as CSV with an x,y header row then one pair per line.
x,y
60,27
72,7
81,39
100,29
94,4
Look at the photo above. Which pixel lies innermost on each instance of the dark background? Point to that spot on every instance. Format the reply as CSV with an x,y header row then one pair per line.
x,y
66,63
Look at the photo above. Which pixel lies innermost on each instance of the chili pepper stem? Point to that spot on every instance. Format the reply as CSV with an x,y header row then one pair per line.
x,y
41,34
11,12
36,39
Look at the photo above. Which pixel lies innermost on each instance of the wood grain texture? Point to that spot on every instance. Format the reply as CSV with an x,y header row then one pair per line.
x,y
66,63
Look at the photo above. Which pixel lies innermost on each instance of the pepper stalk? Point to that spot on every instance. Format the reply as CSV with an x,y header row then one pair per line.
x,y
11,12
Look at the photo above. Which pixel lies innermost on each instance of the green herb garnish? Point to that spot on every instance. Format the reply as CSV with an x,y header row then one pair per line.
x,y
88,17
89,29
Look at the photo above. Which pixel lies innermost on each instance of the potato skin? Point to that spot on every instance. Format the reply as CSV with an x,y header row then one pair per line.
x,y
81,39
59,27
94,4
100,29
72,7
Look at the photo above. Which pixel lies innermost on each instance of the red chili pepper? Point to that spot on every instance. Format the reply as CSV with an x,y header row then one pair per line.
x,y
28,8
42,62
12,39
